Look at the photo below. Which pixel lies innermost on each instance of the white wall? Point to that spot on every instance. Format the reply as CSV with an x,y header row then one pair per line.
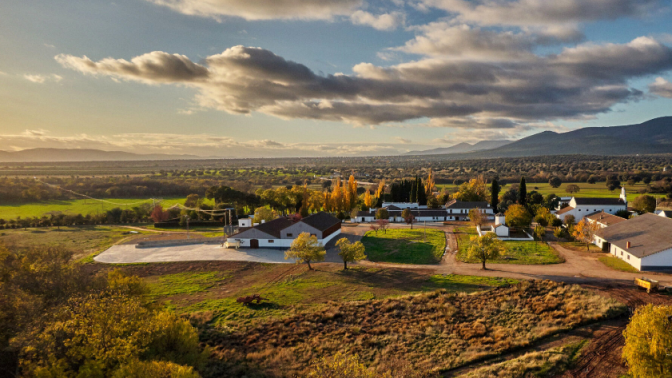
x,y
404,205
279,243
615,251
660,259
581,211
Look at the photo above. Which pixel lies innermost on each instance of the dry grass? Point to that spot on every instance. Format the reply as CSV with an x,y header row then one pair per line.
x,y
432,331
546,363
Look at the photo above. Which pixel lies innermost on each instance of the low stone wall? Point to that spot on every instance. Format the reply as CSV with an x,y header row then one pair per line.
x,y
174,243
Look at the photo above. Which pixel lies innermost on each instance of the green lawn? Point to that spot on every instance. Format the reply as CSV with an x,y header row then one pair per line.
x,y
598,189
518,252
185,283
618,264
405,246
580,247
79,206
84,241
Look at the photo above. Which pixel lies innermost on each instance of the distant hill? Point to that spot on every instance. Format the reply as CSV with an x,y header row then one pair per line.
x,y
57,155
463,148
650,137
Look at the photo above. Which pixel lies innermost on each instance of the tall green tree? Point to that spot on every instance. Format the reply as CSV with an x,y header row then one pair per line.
x,y
522,192
414,190
494,195
421,193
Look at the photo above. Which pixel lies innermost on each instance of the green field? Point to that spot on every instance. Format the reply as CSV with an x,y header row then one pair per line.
x,y
80,206
518,252
84,241
598,189
580,247
405,246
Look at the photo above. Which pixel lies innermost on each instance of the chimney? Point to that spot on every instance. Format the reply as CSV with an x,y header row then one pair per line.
x,y
627,245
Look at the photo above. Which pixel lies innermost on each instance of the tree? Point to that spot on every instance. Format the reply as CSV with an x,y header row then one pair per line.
x,y
613,183
584,231
572,188
433,202
494,195
264,214
539,232
408,217
193,200
383,224
382,213
306,248
368,200
522,192
644,204
350,252
570,220
518,217
472,191
648,342
154,369
555,182
486,247
544,216
476,217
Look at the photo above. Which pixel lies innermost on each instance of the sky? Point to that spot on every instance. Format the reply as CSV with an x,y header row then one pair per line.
x,y
266,78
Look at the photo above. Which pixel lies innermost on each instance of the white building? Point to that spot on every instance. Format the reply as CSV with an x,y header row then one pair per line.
x,y
500,228
395,215
459,210
664,213
604,219
281,232
645,242
404,205
581,207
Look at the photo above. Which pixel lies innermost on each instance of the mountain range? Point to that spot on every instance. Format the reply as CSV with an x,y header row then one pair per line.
x,y
650,137
60,154
463,147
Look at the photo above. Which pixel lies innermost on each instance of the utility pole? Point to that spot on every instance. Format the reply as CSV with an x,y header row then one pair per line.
x,y
187,218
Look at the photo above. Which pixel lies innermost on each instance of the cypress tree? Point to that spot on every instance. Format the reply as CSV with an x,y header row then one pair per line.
x,y
494,195
414,190
422,195
522,192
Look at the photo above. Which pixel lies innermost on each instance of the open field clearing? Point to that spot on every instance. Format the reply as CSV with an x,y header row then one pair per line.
x,y
406,246
519,252
84,241
209,290
431,331
79,206
599,189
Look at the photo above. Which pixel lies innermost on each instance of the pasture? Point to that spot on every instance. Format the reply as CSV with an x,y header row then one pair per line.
x,y
518,252
418,246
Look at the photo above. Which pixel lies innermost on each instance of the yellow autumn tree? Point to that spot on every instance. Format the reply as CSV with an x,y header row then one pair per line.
x,y
584,231
472,191
486,247
648,342
429,183
326,204
352,189
368,199
306,249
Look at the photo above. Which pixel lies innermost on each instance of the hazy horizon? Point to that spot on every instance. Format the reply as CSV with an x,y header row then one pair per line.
x,y
227,78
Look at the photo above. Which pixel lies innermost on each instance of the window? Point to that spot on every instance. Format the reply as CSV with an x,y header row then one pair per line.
x,y
271,241
621,253
628,257
290,235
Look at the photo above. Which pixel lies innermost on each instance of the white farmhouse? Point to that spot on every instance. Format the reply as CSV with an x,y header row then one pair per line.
x,y
581,207
459,210
664,213
281,232
645,242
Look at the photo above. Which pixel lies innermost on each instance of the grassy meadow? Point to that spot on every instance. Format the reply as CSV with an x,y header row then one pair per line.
x,y
598,189
84,241
518,252
417,246
77,206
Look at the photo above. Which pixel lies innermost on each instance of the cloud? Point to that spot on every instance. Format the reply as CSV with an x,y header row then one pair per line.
x,y
661,87
543,12
263,9
386,21
580,81
41,79
402,140
154,67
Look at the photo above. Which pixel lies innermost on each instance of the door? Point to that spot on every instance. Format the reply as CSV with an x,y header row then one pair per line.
x,y
254,243
606,247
